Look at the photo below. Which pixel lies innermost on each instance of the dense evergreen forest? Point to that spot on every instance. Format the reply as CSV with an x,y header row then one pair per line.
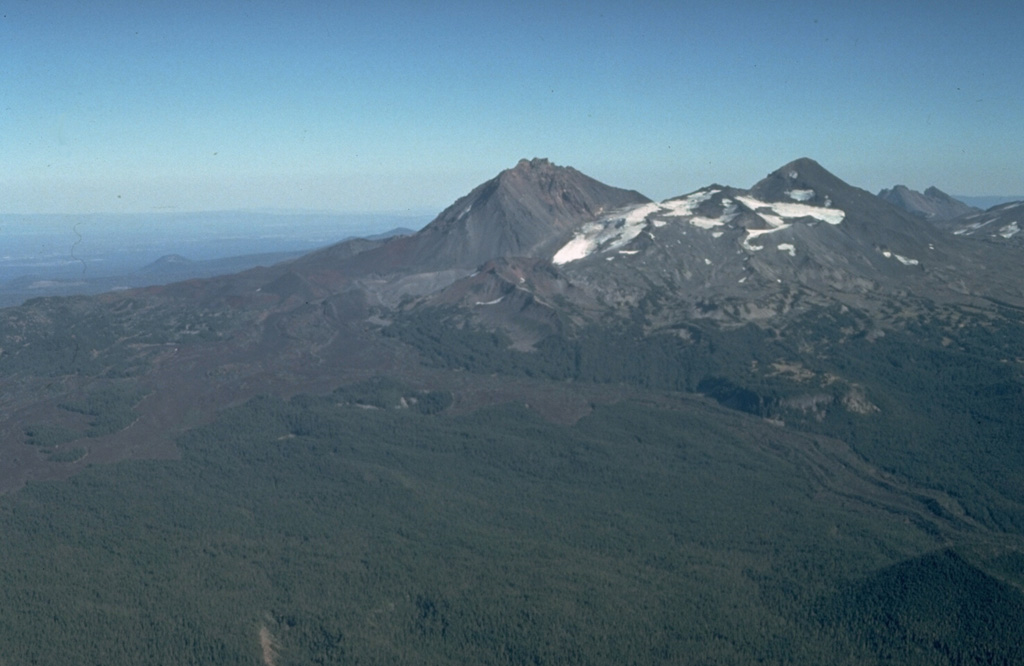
x,y
946,402
372,526
841,500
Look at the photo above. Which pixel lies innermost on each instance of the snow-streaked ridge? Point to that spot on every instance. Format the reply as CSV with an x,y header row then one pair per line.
x,y
610,233
614,232
793,210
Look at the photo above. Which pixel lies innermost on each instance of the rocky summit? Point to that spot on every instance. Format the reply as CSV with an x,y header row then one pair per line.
x,y
932,204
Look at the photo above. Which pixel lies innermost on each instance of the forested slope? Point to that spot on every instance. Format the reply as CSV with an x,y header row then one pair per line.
x,y
367,526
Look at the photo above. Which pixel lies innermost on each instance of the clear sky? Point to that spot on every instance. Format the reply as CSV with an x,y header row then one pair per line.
x,y
144,105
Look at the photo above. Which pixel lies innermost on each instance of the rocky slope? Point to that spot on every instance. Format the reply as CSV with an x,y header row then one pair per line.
x,y
1000,224
799,239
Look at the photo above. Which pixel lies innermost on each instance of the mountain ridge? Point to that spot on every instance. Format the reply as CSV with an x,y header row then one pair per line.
x,y
932,204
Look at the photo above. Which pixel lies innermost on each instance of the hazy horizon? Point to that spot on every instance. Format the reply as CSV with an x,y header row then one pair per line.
x,y
61,246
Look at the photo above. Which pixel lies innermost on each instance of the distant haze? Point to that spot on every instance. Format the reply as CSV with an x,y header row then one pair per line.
x,y
98,245
985,203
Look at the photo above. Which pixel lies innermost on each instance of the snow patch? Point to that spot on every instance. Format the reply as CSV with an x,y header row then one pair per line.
x,y
707,222
729,213
1010,230
787,247
611,233
578,248
707,261
754,233
494,302
688,204
800,195
794,210
774,220
900,258
970,228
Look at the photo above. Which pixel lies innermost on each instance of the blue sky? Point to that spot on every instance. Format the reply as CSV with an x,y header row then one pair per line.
x,y
403,106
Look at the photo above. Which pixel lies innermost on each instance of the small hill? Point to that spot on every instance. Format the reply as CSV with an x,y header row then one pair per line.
x,y
168,262
936,609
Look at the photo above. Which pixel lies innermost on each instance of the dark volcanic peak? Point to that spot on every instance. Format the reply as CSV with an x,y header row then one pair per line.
x,y
867,217
802,180
512,215
932,204
519,210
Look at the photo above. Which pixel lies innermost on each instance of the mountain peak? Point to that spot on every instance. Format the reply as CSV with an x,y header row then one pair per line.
x,y
932,204
510,215
536,163
804,170
803,163
533,204
536,169
802,179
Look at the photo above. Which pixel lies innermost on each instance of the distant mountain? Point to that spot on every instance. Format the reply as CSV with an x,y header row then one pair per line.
x,y
390,233
167,269
999,224
932,204
168,262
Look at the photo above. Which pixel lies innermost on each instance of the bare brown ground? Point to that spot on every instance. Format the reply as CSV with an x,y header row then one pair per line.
x,y
268,646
